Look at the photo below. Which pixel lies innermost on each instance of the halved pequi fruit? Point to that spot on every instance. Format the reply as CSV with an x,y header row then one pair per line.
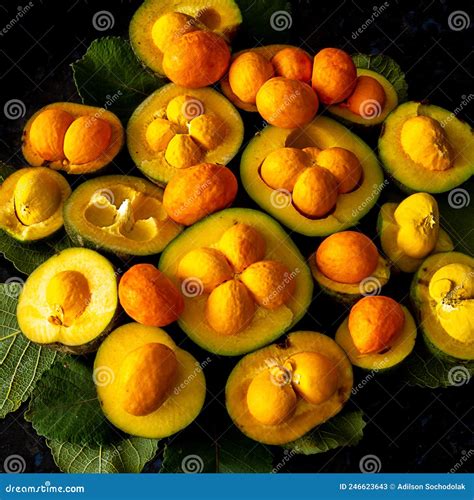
x,y
31,203
223,17
442,292
244,281
120,214
364,107
321,133
378,334
266,51
73,137
176,128
347,266
70,301
146,384
410,231
279,393
426,148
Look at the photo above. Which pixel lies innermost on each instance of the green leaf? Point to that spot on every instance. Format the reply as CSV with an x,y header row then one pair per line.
x,y
423,369
386,67
21,362
64,406
26,257
345,429
110,76
127,455
233,452
265,21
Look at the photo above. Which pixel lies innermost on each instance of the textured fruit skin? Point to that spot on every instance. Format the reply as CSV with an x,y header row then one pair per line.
x,y
293,63
314,376
287,103
268,401
207,265
159,133
196,59
418,219
199,191
367,91
229,308
149,296
169,27
344,165
86,139
281,167
347,257
334,75
242,245
36,197
424,140
208,130
47,133
145,378
247,73
374,322
269,282
315,192
68,295
183,152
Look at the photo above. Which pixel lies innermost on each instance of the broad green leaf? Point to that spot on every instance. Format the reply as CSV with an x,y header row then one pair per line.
x,y
21,362
233,452
110,76
265,22
345,429
423,369
26,257
386,67
64,406
127,455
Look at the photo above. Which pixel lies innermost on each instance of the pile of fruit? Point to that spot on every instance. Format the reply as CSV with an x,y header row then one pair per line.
x,y
233,280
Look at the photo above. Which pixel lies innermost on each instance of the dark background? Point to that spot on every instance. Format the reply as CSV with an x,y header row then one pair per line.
x,y
409,429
